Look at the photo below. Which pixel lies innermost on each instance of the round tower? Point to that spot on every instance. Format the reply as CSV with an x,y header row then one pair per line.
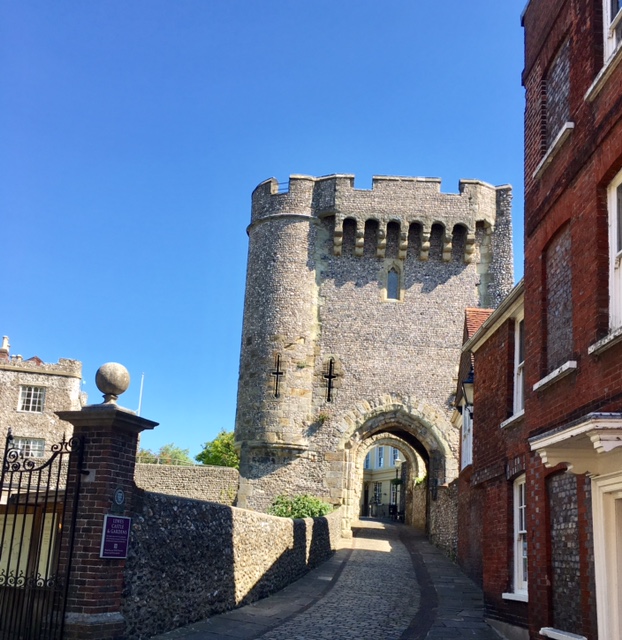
x,y
279,327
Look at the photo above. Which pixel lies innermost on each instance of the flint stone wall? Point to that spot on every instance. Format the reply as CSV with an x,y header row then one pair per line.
x,y
443,525
419,506
62,393
215,484
189,560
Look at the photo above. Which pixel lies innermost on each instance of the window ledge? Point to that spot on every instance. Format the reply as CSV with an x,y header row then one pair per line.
x,y
552,151
512,419
554,376
556,634
613,337
604,74
519,597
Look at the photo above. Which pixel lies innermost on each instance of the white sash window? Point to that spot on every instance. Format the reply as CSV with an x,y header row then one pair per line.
x,y
520,537
519,366
614,205
612,13
467,437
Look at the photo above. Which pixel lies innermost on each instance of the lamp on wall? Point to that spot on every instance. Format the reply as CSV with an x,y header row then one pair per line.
x,y
397,482
467,391
398,463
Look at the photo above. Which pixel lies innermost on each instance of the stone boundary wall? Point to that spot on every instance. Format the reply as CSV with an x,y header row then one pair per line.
x,y
189,560
199,482
418,506
444,520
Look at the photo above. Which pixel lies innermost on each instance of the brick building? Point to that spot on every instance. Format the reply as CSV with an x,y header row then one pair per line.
x,y
31,391
492,550
573,323
565,513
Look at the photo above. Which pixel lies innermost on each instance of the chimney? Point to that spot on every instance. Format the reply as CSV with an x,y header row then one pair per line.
x,y
4,349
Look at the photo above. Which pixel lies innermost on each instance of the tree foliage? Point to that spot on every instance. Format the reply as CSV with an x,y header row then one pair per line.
x,y
302,506
220,451
167,454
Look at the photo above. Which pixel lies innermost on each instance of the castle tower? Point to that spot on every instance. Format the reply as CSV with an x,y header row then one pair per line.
x,y
353,324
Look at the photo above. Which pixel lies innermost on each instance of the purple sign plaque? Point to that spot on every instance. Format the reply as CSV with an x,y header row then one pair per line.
x,y
115,537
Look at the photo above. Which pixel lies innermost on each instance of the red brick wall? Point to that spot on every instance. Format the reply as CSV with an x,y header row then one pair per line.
x,y
571,192
567,198
470,524
485,508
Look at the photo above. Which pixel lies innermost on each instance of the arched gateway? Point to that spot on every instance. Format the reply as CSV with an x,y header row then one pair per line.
x,y
416,430
353,325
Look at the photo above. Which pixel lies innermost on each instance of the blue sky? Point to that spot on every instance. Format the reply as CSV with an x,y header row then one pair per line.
x,y
133,133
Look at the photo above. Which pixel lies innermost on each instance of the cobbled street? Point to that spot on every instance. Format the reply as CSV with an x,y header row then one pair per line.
x,y
387,583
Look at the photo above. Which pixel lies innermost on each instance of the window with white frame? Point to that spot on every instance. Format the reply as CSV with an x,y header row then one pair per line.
x,y
29,447
393,493
467,437
380,458
607,515
519,365
520,537
395,455
612,13
614,205
367,461
31,399
378,492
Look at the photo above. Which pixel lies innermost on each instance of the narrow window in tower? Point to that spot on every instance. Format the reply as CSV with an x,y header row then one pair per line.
x,y
330,376
277,374
393,284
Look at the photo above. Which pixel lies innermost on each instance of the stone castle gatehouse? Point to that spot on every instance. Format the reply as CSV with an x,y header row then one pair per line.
x,y
353,325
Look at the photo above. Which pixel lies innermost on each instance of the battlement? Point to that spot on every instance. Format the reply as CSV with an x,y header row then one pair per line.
x,y
64,367
391,199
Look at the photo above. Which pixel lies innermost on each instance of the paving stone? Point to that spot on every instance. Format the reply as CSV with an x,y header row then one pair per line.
x,y
412,592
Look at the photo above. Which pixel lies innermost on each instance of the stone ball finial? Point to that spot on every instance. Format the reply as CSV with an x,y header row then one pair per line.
x,y
112,379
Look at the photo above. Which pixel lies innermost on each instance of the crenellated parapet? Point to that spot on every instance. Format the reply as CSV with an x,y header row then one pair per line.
x,y
416,205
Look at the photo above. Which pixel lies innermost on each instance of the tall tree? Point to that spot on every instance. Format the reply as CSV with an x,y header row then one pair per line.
x,y
167,454
220,451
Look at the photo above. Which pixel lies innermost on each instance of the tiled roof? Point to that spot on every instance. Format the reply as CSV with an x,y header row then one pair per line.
x,y
475,318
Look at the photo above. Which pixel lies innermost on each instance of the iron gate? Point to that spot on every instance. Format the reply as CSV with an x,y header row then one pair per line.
x,y
38,506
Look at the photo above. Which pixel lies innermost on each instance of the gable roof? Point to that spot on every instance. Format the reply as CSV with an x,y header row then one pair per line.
x,y
474,319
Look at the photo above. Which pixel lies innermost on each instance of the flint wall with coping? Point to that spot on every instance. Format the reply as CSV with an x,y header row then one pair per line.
x,y
199,482
189,559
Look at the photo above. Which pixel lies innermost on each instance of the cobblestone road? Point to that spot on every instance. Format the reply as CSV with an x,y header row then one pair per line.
x,y
389,583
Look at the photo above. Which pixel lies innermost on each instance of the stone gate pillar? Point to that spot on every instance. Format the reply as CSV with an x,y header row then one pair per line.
x,y
110,434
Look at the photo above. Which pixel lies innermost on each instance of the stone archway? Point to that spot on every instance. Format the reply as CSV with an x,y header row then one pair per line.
x,y
413,466
419,426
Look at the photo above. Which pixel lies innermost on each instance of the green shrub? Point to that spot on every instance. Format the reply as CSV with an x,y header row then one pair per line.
x,y
303,506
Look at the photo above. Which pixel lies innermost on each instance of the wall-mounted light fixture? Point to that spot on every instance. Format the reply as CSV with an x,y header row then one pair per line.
x,y
467,391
